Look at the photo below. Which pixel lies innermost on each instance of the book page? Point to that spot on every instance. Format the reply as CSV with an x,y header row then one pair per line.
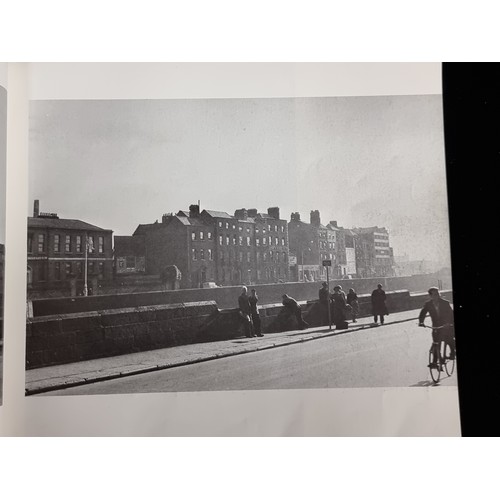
x,y
163,200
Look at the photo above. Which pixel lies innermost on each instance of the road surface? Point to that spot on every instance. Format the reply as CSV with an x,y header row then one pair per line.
x,y
384,356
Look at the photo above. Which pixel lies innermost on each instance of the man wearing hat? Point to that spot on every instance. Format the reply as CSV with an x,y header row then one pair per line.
x,y
379,307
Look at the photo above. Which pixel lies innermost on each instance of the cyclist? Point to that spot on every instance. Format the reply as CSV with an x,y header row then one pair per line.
x,y
441,314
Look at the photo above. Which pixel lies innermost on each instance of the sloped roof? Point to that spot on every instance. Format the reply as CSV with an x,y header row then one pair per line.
x,y
42,222
215,213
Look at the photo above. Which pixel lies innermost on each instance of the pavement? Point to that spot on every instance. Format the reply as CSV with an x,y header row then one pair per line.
x,y
52,378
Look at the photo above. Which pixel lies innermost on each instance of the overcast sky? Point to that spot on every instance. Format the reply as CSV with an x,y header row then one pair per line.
x,y
362,161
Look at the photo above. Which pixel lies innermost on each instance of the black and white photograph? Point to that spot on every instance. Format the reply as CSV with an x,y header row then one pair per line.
x,y
227,244
3,152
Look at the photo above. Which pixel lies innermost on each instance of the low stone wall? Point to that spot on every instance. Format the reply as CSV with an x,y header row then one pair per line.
x,y
59,339
226,297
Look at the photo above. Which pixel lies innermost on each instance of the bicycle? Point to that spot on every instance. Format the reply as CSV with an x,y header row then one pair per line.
x,y
444,359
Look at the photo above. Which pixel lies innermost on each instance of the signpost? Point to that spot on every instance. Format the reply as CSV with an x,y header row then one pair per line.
x,y
328,264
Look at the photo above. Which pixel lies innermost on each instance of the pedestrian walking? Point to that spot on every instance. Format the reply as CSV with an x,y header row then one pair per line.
x,y
293,307
339,308
352,300
379,307
325,302
245,312
254,312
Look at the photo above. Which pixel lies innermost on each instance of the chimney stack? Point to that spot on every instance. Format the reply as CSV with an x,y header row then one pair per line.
x,y
194,211
295,216
241,214
333,223
315,218
252,212
36,208
274,212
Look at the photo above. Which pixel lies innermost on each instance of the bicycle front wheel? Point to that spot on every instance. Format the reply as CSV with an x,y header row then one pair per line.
x,y
435,372
449,364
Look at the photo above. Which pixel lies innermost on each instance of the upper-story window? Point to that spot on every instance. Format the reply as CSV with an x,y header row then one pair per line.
x,y
67,244
220,224
234,240
210,254
91,244
240,228
257,242
276,241
283,242
41,243
264,241
282,229
220,240
248,240
248,229
202,235
78,243
227,225
101,244
276,228
194,254
193,236
240,240
57,243
227,240
234,226
209,235
202,254
30,243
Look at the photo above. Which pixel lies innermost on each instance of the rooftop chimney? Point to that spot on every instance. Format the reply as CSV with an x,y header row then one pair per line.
x,y
295,216
315,218
274,212
194,211
241,214
333,223
36,208
252,212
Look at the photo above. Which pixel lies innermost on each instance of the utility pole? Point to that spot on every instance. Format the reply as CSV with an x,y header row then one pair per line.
x,y
85,287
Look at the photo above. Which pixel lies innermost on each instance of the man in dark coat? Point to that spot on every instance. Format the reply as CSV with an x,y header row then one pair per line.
x,y
325,302
245,312
254,312
379,307
441,315
292,305
339,307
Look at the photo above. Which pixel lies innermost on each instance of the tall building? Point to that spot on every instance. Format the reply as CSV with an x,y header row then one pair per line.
x,y
374,255
311,243
57,256
213,246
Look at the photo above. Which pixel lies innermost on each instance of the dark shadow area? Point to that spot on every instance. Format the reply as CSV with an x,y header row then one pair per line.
x,y
472,143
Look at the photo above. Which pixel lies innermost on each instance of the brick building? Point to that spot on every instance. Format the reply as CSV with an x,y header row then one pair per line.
x,y
212,246
56,252
374,255
311,243
129,254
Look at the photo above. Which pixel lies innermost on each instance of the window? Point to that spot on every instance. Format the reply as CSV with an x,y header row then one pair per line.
x,y
221,255
227,225
257,242
91,269
67,267
264,241
202,254
42,275
258,256
220,224
41,243
202,235
91,244
67,245
240,240
282,229
241,256
248,240
240,228
283,242
101,244
220,240
30,242
210,254
193,236
78,243
276,228
248,256
248,229
276,241
234,226
193,253
234,240
264,256
263,230
57,271
257,230
209,235
271,255
57,245
79,270
227,240
284,257
101,270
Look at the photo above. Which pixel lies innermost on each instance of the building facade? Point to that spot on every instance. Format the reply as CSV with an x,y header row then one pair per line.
x,y
216,247
57,253
374,255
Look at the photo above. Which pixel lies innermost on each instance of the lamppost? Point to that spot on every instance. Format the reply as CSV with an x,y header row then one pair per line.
x,y
88,248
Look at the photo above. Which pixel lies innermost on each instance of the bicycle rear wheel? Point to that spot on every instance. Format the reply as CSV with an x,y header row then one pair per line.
x,y
435,372
449,364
